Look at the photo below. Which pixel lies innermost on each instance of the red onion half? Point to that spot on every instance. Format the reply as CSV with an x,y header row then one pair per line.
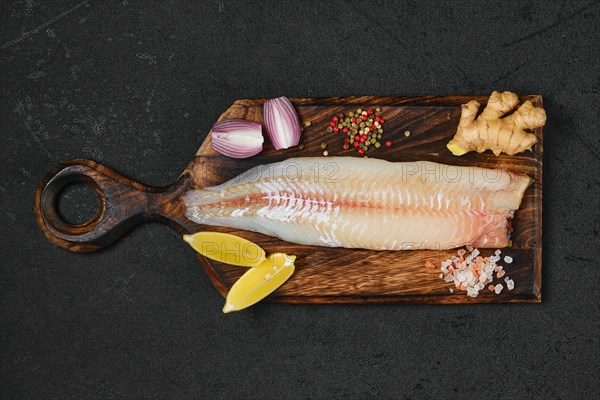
x,y
282,122
237,138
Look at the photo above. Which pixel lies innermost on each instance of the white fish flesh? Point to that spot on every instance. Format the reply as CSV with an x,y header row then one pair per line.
x,y
366,203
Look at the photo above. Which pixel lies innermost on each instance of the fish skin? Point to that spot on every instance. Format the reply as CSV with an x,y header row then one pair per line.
x,y
366,203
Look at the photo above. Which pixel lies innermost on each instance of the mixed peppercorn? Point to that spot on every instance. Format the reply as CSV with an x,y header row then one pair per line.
x,y
363,129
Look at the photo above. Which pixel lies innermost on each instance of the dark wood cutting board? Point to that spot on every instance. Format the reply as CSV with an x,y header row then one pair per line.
x,y
323,275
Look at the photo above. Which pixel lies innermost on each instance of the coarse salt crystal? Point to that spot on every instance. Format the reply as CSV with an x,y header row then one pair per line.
x,y
498,288
470,276
461,252
508,259
451,290
497,252
475,253
441,276
510,284
500,273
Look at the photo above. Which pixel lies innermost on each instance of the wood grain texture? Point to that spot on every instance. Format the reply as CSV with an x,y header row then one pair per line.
x,y
323,275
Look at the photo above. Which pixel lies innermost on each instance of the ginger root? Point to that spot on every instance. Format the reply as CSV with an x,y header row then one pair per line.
x,y
490,131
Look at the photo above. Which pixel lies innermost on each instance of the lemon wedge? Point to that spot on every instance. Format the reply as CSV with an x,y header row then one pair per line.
x,y
259,282
226,248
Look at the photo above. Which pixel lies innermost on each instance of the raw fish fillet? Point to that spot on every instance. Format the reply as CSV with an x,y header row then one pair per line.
x,y
366,203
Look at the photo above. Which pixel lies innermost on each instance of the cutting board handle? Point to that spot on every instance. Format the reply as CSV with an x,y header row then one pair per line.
x,y
123,204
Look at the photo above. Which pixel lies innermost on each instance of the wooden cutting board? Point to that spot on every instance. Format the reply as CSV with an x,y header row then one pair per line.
x,y
323,275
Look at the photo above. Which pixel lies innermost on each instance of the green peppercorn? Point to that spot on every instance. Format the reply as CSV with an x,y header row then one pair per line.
x,y
301,146
341,115
323,145
359,111
377,144
380,130
340,126
378,109
369,123
329,129
362,125
379,136
346,120
307,123
351,114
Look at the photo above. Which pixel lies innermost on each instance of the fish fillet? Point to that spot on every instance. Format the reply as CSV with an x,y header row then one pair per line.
x,y
366,203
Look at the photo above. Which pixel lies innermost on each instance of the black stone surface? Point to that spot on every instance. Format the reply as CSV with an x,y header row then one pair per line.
x,y
136,85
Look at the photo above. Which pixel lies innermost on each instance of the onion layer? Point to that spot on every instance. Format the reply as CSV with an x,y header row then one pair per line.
x,y
237,138
282,122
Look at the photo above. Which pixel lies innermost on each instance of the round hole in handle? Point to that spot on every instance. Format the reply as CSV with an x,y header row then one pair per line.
x,y
50,206
77,203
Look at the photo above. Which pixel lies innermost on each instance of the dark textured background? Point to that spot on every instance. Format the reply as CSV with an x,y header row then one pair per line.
x,y
135,86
